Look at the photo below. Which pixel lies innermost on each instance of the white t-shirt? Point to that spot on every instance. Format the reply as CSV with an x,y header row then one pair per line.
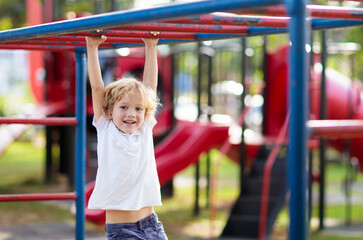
x,y
126,176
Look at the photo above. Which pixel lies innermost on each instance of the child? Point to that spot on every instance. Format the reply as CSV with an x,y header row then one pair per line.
x,y
127,184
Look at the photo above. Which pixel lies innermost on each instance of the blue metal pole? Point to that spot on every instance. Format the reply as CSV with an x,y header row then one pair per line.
x,y
297,153
320,23
113,19
80,143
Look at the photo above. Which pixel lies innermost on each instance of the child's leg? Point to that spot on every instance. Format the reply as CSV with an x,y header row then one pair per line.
x,y
147,228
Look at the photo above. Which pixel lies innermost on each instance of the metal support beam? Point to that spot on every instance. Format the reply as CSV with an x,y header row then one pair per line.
x,y
80,162
317,11
297,153
323,142
245,20
37,197
336,128
49,121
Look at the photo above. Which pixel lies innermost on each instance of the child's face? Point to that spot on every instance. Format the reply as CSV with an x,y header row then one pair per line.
x,y
128,114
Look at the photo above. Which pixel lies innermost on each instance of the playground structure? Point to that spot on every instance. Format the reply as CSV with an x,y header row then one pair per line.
x,y
68,36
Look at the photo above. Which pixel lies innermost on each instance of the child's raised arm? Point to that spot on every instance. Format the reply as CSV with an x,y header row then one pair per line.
x,y
94,73
150,77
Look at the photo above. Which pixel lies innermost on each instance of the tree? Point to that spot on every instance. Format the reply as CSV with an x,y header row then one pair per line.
x,y
356,35
12,14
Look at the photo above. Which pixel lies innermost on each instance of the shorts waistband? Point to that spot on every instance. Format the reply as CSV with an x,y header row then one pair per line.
x,y
151,219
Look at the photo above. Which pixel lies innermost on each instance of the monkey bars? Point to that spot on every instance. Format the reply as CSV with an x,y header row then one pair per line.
x,y
189,22
125,29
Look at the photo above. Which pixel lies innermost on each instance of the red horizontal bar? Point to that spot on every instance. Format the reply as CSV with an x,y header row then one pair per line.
x,y
37,197
336,128
47,43
177,31
335,12
108,43
317,11
277,10
35,47
116,36
138,34
113,36
258,21
57,121
185,27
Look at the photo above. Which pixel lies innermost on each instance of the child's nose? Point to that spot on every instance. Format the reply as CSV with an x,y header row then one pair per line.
x,y
131,112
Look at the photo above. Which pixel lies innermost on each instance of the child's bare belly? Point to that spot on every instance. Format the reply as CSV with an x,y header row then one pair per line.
x,y
120,216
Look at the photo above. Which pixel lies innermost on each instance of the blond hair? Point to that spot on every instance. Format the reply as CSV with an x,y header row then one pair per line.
x,y
115,91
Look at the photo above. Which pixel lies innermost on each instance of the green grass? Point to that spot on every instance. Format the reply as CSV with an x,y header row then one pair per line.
x,y
21,163
15,213
339,212
319,236
22,171
22,166
333,212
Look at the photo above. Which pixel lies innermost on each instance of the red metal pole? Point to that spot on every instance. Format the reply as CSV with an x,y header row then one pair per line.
x,y
267,178
57,121
73,43
114,36
37,197
126,36
335,12
136,34
256,21
186,27
316,11
277,10
34,16
336,128
34,47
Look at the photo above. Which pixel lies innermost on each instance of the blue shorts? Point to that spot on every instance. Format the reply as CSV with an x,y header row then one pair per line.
x,y
147,228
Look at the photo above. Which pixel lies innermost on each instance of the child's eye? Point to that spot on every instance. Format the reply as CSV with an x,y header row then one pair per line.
x,y
139,109
123,107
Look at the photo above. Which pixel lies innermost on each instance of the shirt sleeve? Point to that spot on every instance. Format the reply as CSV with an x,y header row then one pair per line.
x,y
151,121
101,123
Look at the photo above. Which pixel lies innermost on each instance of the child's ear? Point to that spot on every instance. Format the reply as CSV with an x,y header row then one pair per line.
x,y
109,116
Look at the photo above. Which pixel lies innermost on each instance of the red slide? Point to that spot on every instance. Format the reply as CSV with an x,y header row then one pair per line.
x,y
177,151
344,100
184,145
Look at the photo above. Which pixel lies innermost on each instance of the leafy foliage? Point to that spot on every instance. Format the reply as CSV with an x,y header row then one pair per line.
x,y
355,35
12,14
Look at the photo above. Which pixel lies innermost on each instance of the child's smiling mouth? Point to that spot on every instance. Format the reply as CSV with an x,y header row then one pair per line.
x,y
129,122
